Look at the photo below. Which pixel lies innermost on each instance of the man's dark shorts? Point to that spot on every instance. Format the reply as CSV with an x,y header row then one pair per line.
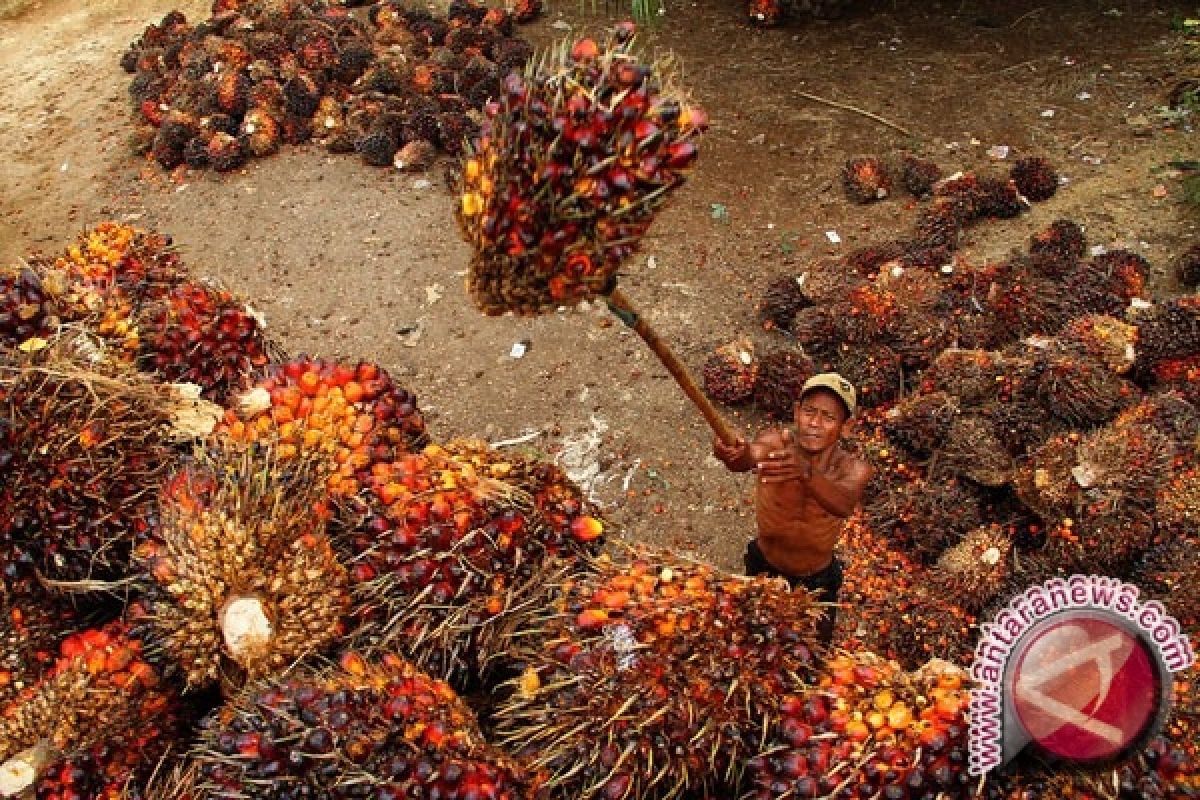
x,y
824,585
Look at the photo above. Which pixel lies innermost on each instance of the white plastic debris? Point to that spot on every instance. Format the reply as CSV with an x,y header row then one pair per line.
x,y
1097,250
1048,113
998,151
519,349
833,237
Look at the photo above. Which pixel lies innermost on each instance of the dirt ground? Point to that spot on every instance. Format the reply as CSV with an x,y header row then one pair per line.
x,y
352,261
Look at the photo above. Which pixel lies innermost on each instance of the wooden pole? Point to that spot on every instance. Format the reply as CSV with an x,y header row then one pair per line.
x,y
619,304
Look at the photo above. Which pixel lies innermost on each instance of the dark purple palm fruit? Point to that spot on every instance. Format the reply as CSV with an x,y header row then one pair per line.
x,y
918,175
784,296
1034,178
866,179
1056,250
781,376
730,373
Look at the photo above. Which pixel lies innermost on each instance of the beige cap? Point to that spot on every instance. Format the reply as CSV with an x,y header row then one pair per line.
x,y
834,383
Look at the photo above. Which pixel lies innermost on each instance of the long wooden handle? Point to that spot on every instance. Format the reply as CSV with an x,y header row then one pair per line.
x,y
620,305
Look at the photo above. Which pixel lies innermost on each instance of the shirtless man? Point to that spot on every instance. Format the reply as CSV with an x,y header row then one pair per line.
x,y
807,487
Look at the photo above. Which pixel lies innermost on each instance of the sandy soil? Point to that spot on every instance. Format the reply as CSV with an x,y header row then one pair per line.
x,y
352,261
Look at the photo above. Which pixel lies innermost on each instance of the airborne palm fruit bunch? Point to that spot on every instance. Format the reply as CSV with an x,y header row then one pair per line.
x,y
82,453
379,729
869,730
574,161
654,677
454,540
352,415
201,334
240,577
98,719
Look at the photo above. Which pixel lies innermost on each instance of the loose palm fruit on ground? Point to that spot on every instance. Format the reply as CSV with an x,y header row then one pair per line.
x,y
653,676
377,728
573,163
82,450
351,414
99,702
239,576
731,372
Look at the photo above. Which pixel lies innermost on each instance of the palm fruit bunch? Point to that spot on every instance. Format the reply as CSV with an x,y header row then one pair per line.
x,y
876,371
781,376
875,572
1055,250
195,318
1034,178
972,377
99,718
975,570
731,372
575,159
782,298
1166,332
765,13
918,175
1187,268
83,449
1101,338
866,313
828,281
1103,540
870,730
1025,302
1109,283
1170,572
941,223
375,728
924,516
31,629
239,576
650,676
454,540
1080,389
973,449
1044,481
815,329
867,261
354,415
866,179
921,422
924,624
1120,466
1171,415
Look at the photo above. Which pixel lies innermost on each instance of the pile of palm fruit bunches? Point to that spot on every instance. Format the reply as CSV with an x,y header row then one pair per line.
x,y
393,83
1027,419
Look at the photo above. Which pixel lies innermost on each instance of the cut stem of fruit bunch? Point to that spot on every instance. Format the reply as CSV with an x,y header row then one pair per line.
x,y
573,164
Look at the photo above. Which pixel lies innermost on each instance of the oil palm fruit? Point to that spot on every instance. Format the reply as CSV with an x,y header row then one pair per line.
x,y
975,570
240,578
918,175
1035,178
1056,249
781,376
782,298
866,179
731,372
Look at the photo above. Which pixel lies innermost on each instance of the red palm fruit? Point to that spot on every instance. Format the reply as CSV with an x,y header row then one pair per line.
x,y
973,449
239,574
1035,178
997,198
380,724
260,132
1169,414
1109,282
30,631
939,225
876,371
194,319
100,703
1025,303
1171,570
1166,331
1081,391
1101,338
972,377
730,373
26,308
225,152
921,422
1119,466
867,261
866,179
525,11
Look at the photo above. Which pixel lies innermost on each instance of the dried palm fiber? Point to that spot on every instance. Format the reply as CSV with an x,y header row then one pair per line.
x,y
918,175
975,570
1122,466
1044,481
1080,390
574,161
84,446
781,376
782,298
1166,331
1101,540
731,372
1171,415
1170,572
815,329
871,259
1187,267
1026,303
239,579
875,370
973,449
100,705
972,377
454,541
1099,338
1055,250
866,179
204,335
921,422
375,728
870,730
1177,502
175,779
652,676
927,624
1108,283
351,414
31,628
923,517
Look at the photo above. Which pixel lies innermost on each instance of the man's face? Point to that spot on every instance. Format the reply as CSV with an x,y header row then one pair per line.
x,y
819,420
